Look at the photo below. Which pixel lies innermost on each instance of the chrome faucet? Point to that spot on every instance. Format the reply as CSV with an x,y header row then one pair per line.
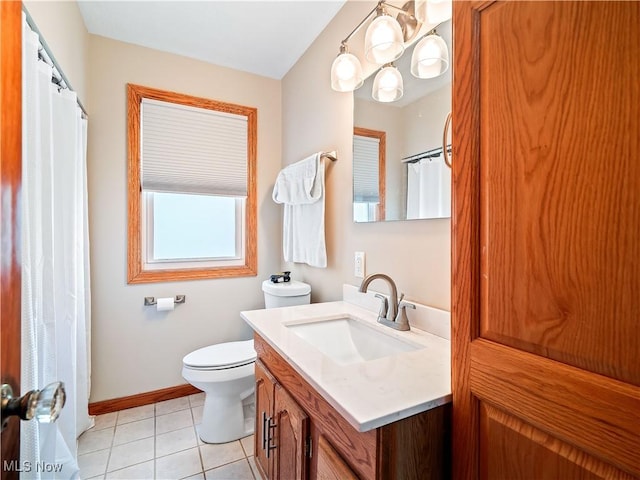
x,y
392,313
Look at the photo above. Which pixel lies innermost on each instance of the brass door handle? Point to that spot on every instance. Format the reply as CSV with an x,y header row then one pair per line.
x,y
43,405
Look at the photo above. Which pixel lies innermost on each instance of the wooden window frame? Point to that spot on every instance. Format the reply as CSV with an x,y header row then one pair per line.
x,y
382,165
135,261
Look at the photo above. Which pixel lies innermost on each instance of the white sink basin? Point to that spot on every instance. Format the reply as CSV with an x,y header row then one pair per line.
x,y
347,341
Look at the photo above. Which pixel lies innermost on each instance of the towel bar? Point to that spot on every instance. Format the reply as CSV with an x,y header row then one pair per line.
x,y
333,156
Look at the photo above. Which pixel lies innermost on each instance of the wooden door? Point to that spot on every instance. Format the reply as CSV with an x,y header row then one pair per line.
x,y
292,435
265,390
10,185
546,240
331,465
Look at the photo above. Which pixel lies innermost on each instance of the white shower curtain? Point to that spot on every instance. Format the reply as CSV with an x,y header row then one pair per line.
x,y
428,189
55,265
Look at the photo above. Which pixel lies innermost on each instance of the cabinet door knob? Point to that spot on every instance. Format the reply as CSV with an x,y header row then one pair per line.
x,y
43,405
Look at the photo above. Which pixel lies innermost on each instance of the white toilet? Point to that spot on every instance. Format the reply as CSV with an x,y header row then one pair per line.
x,y
225,373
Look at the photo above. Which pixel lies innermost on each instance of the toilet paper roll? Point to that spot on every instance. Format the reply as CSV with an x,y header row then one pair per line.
x,y
165,304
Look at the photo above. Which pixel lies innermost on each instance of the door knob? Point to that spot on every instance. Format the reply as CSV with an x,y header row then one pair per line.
x,y
43,405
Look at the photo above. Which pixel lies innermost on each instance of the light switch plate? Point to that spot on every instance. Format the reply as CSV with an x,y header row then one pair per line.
x,y
359,264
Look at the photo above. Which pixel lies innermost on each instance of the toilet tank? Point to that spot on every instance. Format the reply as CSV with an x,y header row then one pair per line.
x,y
285,294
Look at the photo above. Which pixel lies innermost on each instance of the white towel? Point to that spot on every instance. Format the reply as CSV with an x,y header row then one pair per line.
x,y
300,187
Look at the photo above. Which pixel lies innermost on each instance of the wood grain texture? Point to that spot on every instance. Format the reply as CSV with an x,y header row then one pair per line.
x,y
596,414
382,165
135,270
529,453
330,464
140,399
544,229
10,186
417,447
292,430
465,248
358,449
560,130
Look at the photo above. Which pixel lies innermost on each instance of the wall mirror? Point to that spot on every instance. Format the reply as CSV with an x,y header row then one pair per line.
x,y
399,172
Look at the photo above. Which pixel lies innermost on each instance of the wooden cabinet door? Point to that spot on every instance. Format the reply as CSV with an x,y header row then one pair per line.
x,y
292,435
265,390
546,240
331,466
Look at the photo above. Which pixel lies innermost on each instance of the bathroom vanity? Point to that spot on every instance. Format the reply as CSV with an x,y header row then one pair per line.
x,y
380,410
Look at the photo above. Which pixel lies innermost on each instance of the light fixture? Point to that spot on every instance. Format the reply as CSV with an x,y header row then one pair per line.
x,y
383,41
346,71
430,57
433,12
388,85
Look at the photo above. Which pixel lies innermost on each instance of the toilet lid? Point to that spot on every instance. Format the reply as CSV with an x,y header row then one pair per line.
x,y
286,289
221,355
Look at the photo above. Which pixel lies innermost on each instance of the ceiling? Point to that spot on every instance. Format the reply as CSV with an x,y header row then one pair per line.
x,y
262,37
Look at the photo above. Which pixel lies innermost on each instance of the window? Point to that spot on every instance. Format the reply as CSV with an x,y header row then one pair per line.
x,y
369,165
192,187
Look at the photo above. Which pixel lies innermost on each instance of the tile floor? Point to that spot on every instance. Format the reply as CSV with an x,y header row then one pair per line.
x,y
159,442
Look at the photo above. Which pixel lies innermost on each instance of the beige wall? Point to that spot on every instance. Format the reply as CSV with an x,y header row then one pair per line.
x,y
135,348
62,27
424,121
416,253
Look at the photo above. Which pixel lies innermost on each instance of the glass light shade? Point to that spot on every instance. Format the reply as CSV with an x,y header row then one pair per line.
x,y
383,42
388,85
346,73
430,57
438,11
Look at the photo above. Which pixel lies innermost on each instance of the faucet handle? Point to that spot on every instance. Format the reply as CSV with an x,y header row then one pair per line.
x,y
401,317
384,306
405,304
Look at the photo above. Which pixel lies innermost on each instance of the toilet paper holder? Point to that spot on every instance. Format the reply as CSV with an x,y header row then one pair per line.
x,y
149,301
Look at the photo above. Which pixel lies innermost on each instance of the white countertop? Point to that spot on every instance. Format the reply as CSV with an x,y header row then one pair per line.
x,y
368,394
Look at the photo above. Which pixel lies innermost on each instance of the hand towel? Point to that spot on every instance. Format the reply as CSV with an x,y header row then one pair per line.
x,y
300,187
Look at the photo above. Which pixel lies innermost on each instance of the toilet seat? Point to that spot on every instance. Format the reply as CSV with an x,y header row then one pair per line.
x,y
221,356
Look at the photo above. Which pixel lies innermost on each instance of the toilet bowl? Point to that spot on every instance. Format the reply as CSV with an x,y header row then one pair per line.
x,y
225,373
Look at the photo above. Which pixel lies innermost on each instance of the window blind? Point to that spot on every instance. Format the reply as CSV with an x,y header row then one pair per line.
x,y
365,169
188,149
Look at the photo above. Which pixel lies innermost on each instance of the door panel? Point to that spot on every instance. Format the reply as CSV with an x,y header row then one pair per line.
x,y
11,180
546,250
560,206
592,412
519,448
292,433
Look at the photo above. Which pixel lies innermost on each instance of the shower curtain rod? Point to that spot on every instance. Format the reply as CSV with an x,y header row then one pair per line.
x,y
433,153
44,53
